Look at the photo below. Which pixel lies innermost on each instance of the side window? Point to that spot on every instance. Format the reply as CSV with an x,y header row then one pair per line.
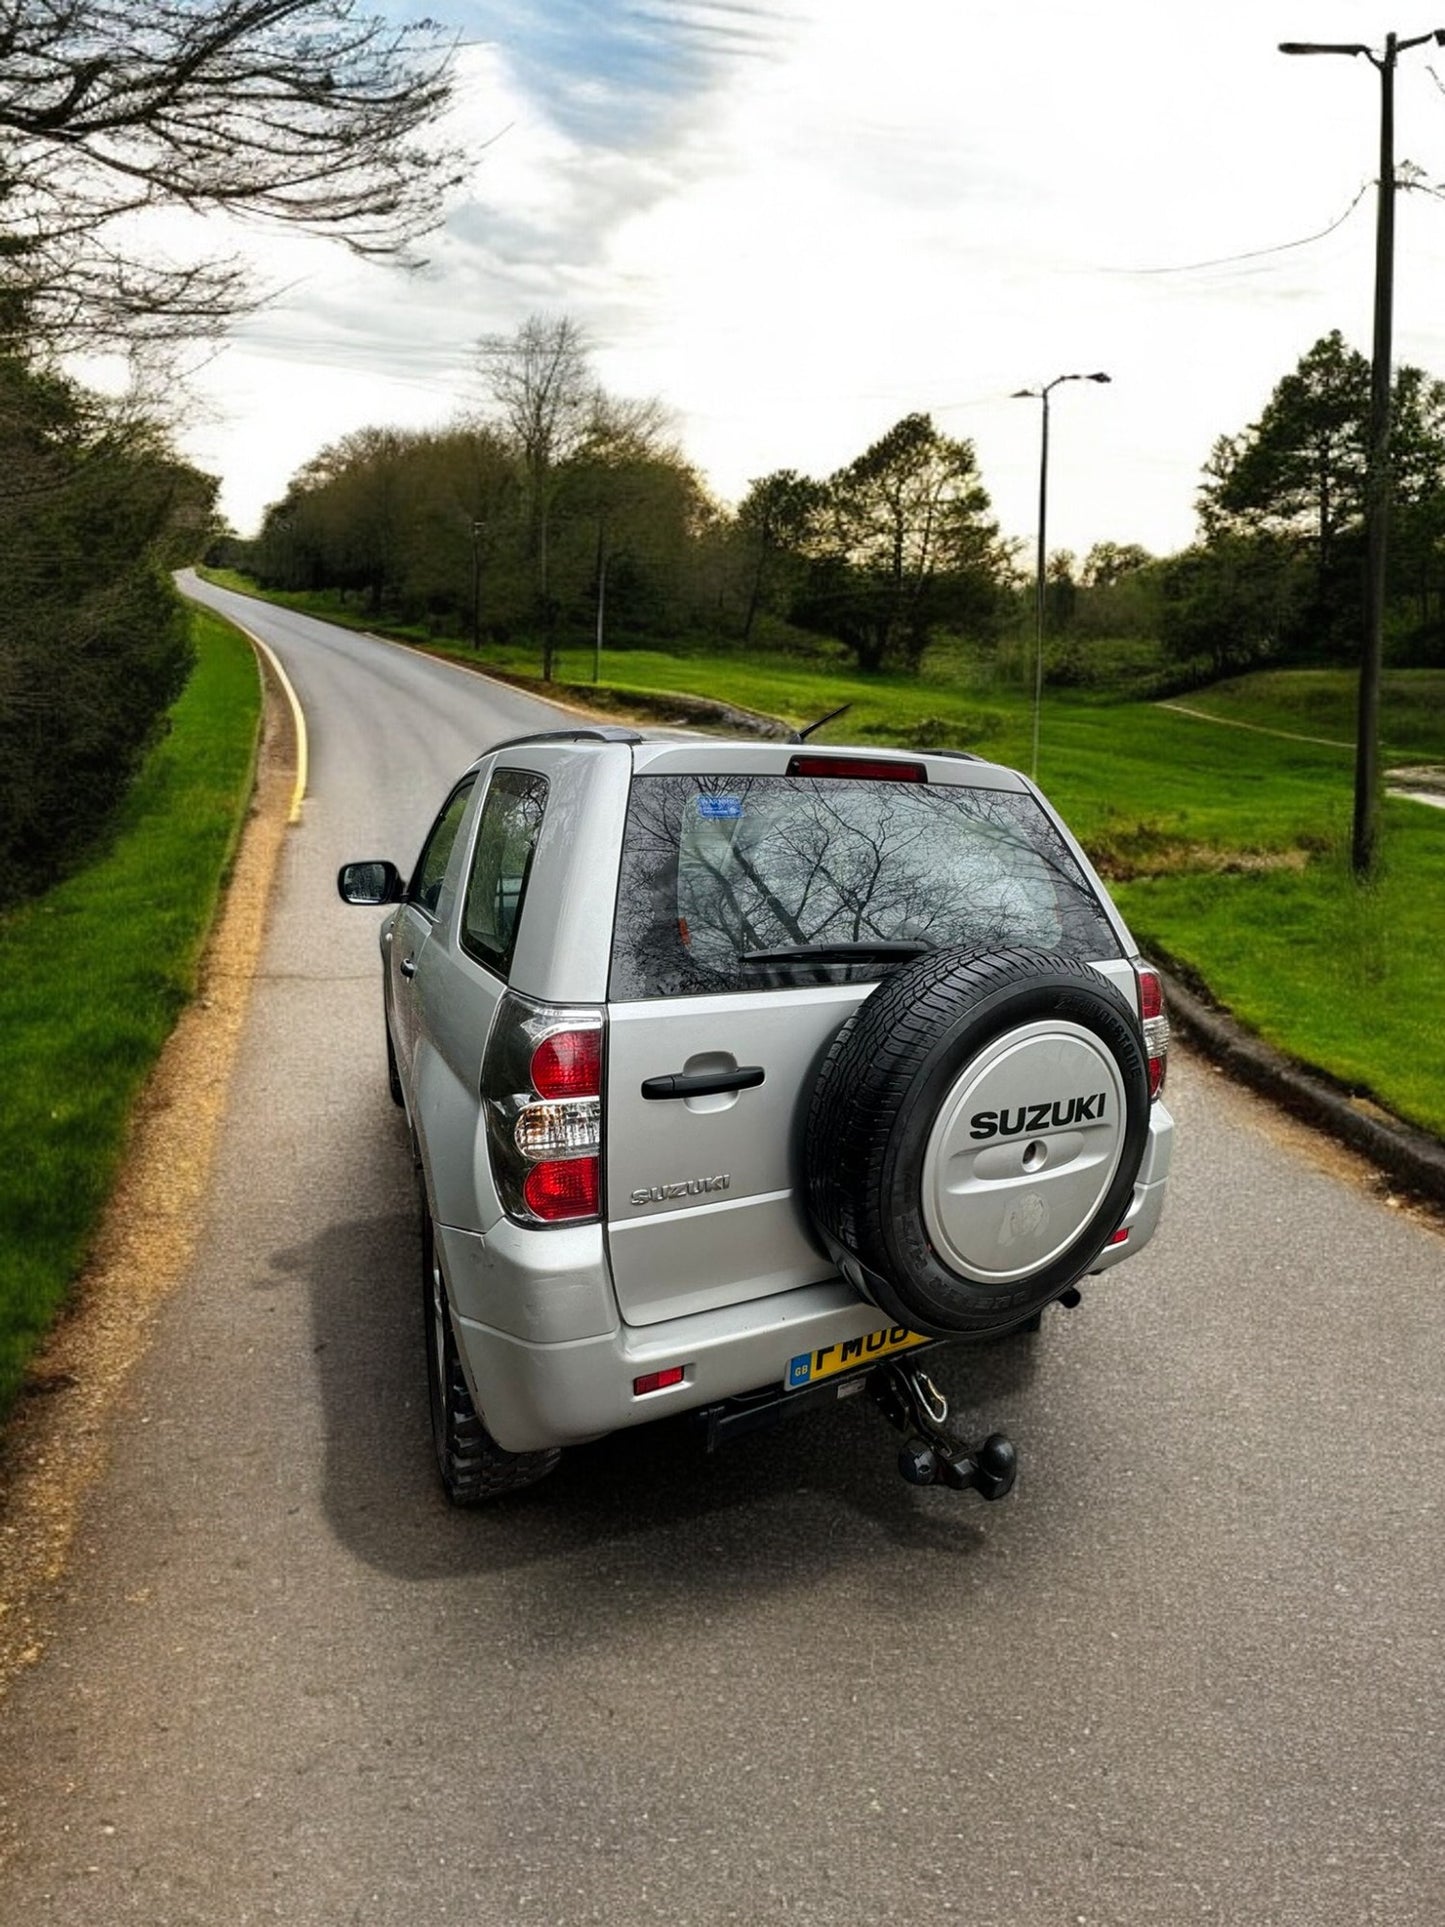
x,y
501,862
431,866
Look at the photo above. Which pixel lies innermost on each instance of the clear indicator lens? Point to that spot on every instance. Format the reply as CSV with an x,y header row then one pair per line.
x,y
561,1130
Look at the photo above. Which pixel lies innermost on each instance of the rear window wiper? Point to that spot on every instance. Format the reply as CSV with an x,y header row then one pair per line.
x,y
883,948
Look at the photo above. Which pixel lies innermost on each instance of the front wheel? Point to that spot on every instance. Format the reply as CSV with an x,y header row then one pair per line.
x,y
472,1465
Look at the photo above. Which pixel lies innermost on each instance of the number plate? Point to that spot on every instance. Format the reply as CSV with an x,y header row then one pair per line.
x,y
829,1360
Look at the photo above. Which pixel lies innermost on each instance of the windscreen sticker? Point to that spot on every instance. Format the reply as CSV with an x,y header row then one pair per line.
x,y
719,807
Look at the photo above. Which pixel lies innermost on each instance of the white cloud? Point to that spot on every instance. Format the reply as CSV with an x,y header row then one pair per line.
x,y
926,205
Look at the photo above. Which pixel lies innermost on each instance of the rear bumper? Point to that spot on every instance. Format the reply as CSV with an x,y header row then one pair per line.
x,y
534,1394
539,1395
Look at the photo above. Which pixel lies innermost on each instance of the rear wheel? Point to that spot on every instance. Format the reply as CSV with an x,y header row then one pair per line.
x,y
472,1465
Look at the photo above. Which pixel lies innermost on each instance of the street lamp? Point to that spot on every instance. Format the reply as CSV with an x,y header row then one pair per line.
x,y
1042,395
1377,465
478,530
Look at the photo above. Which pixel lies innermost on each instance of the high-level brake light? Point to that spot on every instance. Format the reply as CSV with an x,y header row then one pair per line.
x,y
862,769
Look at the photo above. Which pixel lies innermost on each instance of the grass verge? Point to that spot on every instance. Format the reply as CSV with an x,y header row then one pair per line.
x,y
93,976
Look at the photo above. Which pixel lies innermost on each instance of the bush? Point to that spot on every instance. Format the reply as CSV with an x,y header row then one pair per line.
x,y
94,644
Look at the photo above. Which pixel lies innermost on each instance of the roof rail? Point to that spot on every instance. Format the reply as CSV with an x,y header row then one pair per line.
x,y
598,733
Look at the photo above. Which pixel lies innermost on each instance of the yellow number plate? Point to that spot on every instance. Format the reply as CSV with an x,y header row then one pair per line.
x,y
809,1367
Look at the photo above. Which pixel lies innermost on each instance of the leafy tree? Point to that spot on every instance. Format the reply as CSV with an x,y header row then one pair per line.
x,y
1298,474
94,644
1299,471
1231,602
773,523
303,112
1107,563
901,544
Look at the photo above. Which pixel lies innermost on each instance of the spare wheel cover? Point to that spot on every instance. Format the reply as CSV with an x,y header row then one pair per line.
x,y
1023,1152
974,1136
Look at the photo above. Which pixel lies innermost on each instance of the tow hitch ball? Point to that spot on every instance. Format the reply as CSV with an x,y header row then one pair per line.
x,y
910,1401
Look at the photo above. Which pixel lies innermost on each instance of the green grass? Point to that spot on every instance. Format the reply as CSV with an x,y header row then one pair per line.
x,y
1321,702
93,976
1226,849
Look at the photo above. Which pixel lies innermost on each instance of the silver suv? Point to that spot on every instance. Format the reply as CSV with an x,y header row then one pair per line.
x,y
740,1073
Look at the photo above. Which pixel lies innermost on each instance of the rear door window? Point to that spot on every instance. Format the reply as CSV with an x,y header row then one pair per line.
x,y
431,866
501,864
717,872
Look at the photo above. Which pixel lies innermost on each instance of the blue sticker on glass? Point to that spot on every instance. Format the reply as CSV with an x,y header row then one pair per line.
x,y
719,806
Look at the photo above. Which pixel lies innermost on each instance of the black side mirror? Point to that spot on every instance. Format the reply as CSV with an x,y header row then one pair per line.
x,y
369,883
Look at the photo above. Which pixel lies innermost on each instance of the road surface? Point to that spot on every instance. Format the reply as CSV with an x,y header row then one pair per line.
x,y
1190,1672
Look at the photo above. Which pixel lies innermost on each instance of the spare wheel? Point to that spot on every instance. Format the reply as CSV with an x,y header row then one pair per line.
x,y
974,1136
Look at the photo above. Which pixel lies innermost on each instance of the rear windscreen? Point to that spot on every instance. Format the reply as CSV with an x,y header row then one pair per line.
x,y
718,872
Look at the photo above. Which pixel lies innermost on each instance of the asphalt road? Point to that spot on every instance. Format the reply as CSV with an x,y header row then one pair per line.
x,y
1190,1671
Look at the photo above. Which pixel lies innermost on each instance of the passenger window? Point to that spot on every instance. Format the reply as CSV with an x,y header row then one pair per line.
x,y
431,866
501,863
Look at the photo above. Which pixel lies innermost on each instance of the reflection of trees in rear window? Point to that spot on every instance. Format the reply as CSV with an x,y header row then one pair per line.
x,y
715,867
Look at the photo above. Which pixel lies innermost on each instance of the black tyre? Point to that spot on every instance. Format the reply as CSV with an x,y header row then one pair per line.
x,y
974,1137
393,1075
472,1465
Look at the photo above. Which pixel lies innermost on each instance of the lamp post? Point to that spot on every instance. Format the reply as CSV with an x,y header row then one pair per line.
x,y
478,529
1042,395
1377,465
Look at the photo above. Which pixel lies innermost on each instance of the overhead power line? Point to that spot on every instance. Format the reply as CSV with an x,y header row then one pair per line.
x,y
1254,254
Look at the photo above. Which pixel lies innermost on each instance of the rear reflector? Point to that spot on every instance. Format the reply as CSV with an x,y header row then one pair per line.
x,y
657,1381
862,769
562,1188
1120,1237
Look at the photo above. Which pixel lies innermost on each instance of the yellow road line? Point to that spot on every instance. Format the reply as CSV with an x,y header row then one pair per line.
x,y
298,718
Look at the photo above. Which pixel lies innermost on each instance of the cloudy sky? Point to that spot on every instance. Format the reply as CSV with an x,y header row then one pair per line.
x,y
796,220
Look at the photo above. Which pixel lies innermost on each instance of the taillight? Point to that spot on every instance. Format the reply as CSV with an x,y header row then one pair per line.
x,y
562,1188
568,1064
1156,1025
542,1099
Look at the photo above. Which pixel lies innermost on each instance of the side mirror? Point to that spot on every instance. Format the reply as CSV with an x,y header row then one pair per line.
x,y
369,883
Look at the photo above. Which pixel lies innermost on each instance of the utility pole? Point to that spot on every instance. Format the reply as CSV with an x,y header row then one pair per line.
x,y
1041,555
477,528
1365,845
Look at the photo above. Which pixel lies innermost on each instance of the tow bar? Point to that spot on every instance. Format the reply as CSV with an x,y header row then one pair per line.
x,y
913,1404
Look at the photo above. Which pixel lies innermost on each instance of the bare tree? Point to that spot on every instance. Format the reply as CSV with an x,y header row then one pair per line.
x,y
303,112
541,385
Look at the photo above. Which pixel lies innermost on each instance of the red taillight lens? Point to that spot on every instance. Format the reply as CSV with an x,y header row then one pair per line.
x,y
568,1064
863,769
562,1188
1156,1026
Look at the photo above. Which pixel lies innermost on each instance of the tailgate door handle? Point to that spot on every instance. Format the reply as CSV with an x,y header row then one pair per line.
x,y
702,1083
